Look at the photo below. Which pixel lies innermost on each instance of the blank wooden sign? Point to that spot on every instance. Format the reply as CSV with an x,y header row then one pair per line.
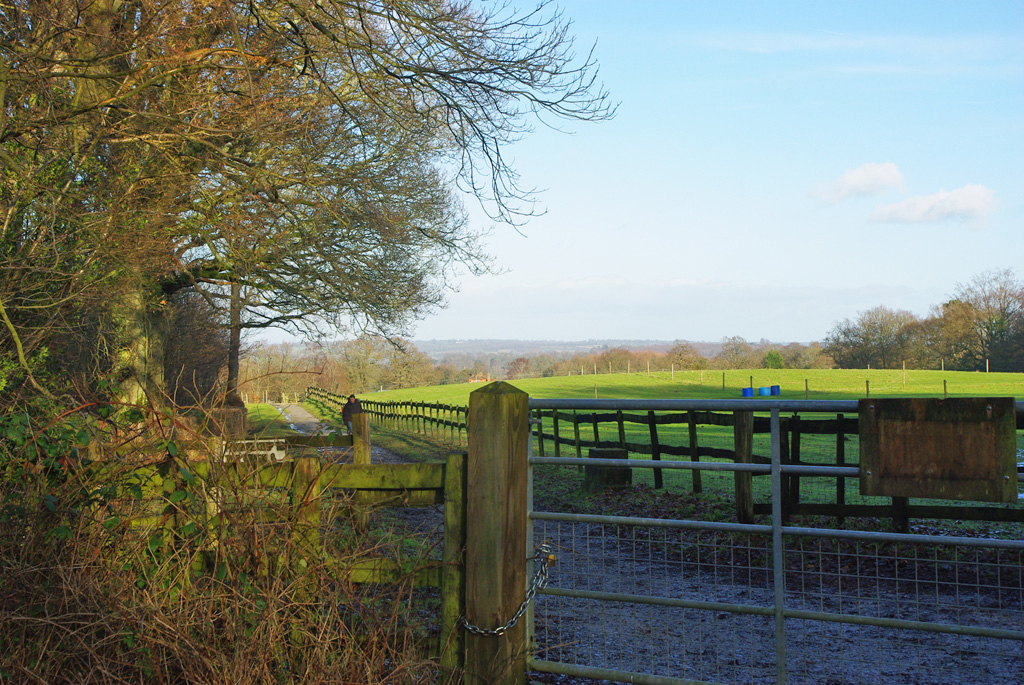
x,y
961,448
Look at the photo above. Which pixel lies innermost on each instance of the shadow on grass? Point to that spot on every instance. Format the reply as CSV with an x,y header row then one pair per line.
x,y
412,446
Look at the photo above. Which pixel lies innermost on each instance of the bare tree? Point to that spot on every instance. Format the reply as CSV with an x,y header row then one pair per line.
x,y
983,325
880,337
292,162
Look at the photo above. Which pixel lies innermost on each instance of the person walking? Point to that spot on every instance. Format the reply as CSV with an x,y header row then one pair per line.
x,y
352,406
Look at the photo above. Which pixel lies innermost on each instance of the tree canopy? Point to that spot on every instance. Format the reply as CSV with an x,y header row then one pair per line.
x,y
981,327
292,162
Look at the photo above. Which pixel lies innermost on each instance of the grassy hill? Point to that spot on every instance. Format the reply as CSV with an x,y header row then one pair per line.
x,y
820,384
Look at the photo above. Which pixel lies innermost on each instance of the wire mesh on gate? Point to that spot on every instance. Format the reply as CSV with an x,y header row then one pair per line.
x,y
719,625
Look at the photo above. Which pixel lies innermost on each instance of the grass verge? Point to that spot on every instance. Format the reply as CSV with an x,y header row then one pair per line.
x,y
228,585
265,421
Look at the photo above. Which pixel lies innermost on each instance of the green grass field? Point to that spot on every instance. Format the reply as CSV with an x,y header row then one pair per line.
x,y
821,384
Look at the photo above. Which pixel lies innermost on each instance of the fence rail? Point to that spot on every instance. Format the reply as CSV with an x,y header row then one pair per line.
x,y
675,429
682,601
297,494
444,422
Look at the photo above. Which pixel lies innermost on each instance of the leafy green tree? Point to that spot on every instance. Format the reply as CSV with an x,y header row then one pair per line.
x,y
773,360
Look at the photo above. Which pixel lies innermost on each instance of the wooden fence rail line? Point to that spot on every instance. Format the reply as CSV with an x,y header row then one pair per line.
x,y
444,422
581,431
305,492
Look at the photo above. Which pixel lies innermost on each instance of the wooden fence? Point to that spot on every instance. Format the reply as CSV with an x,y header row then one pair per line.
x,y
550,435
300,490
580,431
443,422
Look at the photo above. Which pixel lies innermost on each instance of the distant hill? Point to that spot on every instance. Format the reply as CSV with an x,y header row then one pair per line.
x,y
437,349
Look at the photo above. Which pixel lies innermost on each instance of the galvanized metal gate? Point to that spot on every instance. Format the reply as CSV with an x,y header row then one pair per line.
x,y
685,600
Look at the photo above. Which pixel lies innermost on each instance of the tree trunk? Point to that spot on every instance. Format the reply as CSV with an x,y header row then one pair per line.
x,y
234,346
143,353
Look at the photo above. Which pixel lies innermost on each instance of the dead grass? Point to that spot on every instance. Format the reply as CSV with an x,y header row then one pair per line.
x,y
95,588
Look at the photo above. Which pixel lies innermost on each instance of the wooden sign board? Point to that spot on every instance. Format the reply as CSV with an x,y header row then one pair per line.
x,y
958,449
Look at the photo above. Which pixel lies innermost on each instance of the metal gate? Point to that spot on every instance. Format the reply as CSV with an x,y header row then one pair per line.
x,y
685,600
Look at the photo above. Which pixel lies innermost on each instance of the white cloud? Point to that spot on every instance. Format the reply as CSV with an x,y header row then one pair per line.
x,y
867,179
969,202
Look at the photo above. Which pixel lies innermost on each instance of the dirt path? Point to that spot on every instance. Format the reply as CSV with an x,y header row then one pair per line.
x,y
301,420
426,521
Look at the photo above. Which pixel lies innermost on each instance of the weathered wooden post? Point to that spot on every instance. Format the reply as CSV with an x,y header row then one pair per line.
x,y
691,419
497,467
540,432
361,456
743,441
305,546
785,458
453,588
794,480
558,436
361,438
305,500
840,461
576,434
652,429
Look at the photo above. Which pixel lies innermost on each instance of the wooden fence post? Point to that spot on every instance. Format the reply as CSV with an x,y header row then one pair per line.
x,y
840,461
785,459
453,556
540,432
305,546
496,535
743,441
360,438
305,500
652,426
576,434
698,486
794,481
558,436
463,422
361,455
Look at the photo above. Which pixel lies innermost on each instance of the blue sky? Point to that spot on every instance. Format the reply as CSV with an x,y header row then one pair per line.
x,y
774,167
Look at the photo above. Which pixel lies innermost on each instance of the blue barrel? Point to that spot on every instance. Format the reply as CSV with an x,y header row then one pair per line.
x,y
764,392
748,392
776,390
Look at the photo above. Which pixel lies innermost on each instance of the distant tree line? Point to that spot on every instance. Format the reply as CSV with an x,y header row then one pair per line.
x,y
372,362
981,327
735,353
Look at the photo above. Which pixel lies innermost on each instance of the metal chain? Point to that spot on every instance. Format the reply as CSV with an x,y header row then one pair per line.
x,y
540,579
